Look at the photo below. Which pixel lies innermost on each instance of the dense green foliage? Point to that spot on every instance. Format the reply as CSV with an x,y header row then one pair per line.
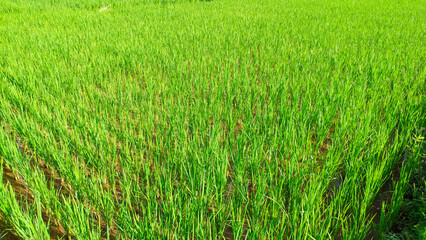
x,y
209,119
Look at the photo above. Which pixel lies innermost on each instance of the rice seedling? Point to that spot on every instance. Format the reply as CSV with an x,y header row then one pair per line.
x,y
237,119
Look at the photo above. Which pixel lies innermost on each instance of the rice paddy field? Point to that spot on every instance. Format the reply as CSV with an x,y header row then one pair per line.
x,y
222,119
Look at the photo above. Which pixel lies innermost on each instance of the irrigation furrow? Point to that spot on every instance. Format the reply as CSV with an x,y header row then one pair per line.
x,y
64,191
384,196
57,180
6,232
25,198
